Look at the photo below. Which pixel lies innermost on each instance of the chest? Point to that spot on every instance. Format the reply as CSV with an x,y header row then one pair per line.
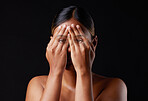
x,y
67,96
70,96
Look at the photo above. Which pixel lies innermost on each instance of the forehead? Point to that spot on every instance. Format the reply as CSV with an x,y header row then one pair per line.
x,y
75,22
71,21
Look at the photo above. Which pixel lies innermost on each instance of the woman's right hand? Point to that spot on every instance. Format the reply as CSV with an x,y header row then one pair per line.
x,y
56,51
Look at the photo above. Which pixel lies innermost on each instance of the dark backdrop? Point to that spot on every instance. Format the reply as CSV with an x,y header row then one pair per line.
x,y
121,51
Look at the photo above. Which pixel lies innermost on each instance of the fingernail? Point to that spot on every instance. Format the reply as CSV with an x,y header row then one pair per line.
x,y
64,26
68,27
59,27
72,25
77,26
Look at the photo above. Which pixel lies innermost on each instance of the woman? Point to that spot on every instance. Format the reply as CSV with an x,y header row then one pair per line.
x,y
70,53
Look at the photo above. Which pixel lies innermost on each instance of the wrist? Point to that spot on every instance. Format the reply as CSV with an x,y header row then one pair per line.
x,y
84,72
56,70
56,73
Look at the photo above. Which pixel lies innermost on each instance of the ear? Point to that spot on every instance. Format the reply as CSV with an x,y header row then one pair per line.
x,y
95,42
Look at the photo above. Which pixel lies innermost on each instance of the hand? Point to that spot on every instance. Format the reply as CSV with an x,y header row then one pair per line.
x,y
82,51
56,52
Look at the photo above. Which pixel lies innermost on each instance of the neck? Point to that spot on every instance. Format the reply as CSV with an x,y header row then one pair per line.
x,y
69,78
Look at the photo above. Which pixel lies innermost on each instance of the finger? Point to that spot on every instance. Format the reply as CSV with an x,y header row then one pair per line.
x,y
72,47
77,34
55,35
64,36
51,42
85,40
65,46
62,30
71,32
79,29
62,41
60,36
82,45
59,46
73,38
55,44
92,46
66,32
74,29
57,31
94,43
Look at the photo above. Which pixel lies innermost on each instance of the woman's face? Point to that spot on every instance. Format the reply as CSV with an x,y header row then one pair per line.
x,y
75,22
86,32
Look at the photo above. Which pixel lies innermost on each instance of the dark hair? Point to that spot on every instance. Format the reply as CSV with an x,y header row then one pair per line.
x,y
77,13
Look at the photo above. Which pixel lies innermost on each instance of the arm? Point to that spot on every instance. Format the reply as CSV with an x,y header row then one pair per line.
x,y
56,55
53,88
82,55
51,92
84,90
57,58
34,90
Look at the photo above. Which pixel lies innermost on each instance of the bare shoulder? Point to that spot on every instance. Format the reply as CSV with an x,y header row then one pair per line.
x,y
38,80
116,85
35,88
108,81
113,89
116,82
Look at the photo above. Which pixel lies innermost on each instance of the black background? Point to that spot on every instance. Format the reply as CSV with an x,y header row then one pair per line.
x,y
121,51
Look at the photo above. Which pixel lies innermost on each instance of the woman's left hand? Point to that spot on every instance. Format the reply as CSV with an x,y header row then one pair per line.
x,y
82,51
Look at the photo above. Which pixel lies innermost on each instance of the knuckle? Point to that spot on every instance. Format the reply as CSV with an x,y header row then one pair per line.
x,y
88,47
46,55
64,50
78,27
71,44
75,53
47,48
48,45
83,49
57,38
52,50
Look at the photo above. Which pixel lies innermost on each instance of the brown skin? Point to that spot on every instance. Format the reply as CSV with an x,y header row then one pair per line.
x,y
70,77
